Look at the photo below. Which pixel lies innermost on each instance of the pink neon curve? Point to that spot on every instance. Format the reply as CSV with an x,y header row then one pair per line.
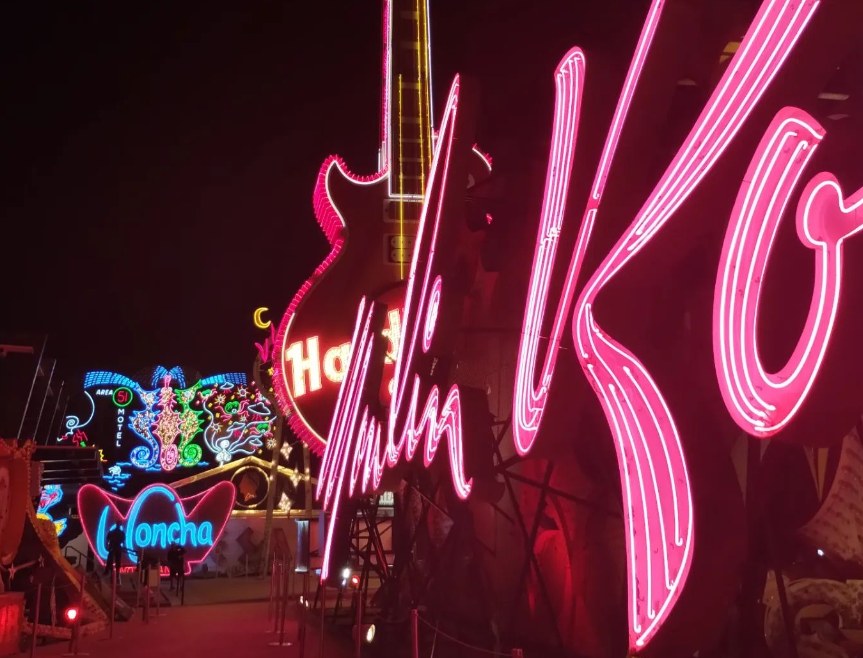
x,y
656,489
763,403
436,421
529,401
333,225
431,314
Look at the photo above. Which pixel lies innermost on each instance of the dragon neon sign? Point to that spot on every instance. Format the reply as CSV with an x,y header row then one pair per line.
x,y
657,494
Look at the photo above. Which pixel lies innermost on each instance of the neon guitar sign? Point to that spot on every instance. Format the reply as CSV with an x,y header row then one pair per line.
x,y
370,224
657,494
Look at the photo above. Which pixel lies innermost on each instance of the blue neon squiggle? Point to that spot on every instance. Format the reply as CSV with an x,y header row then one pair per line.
x,y
73,422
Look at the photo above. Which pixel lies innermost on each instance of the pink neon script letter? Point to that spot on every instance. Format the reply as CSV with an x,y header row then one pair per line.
x,y
763,403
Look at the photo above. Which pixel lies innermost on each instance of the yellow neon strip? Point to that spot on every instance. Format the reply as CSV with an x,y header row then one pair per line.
x,y
420,104
401,189
426,50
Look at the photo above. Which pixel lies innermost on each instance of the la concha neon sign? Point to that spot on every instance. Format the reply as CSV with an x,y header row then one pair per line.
x,y
155,519
657,494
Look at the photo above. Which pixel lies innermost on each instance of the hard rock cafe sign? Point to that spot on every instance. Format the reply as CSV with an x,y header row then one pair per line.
x,y
656,489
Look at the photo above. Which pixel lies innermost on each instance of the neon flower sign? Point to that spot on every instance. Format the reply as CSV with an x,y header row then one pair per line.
x,y
171,425
155,519
657,495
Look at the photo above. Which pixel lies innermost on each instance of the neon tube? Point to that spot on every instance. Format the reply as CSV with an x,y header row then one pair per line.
x,y
763,403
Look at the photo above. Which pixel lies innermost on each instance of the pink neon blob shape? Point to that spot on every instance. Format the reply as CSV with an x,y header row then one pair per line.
x,y
763,403
656,490
356,434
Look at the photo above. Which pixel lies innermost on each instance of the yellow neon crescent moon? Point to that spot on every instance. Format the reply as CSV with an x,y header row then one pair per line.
x,y
259,323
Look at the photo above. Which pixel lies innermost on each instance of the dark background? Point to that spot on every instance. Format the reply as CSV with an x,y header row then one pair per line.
x,y
158,159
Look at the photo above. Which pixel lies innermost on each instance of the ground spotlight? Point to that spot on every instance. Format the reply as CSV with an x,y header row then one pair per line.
x,y
71,614
355,581
346,573
369,633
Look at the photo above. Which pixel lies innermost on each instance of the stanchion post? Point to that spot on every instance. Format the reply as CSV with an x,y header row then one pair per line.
x,y
284,607
272,588
291,575
76,626
323,613
113,601
304,608
517,653
415,633
36,618
146,599
158,590
359,642
280,567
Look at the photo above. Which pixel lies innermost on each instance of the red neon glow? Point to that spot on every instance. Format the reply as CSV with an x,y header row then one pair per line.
x,y
332,222
656,488
762,403
360,432
71,614
100,510
333,225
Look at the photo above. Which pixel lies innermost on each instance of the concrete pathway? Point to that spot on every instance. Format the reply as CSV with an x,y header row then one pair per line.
x,y
226,630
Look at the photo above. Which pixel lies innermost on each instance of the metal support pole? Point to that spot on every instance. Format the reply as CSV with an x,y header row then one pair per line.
x,y
158,592
146,601
113,600
53,415
42,406
323,614
281,641
291,575
271,491
76,626
32,386
272,589
304,609
36,618
359,643
415,634
280,568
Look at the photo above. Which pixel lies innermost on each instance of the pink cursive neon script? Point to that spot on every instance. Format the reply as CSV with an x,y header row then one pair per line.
x,y
657,496
357,434
656,490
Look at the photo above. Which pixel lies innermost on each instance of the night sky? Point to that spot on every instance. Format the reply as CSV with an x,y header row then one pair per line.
x,y
159,159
